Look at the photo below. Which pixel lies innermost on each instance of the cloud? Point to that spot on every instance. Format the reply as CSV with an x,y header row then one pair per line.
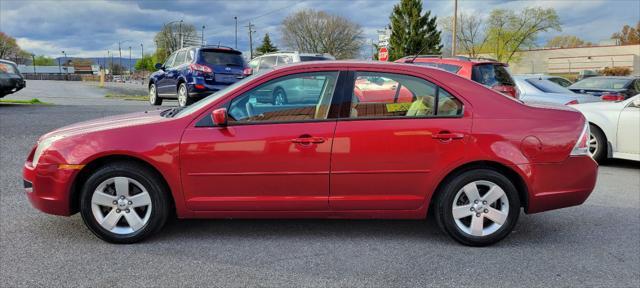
x,y
90,28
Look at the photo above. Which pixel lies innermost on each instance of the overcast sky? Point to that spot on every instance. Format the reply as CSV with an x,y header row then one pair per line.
x,y
91,27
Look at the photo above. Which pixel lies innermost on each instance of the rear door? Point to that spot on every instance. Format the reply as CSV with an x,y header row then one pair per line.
x,y
163,83
385,153
227,65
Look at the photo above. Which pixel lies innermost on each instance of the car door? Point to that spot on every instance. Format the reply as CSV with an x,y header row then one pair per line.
x,y
269,157
628,139
162,82
174,73
385,154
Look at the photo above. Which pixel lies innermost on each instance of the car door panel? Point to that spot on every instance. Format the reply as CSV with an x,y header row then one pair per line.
x,y
628,137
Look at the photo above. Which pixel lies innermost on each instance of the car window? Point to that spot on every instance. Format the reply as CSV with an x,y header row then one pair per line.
x,y
218,57
314,58
637,85
6,68
560,81
547,86
254,63
447,104
297,97
190,56
491,75
377,95
267,62
284,59
180,58
448,67
601,83
169,62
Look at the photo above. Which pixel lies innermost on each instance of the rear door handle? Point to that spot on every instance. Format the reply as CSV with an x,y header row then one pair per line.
x,y
308,140
446,135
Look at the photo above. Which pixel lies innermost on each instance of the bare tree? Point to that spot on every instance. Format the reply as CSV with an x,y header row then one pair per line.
x,y
471,36
318,32
168,39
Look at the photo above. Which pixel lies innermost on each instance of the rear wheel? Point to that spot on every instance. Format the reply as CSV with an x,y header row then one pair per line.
x,y
478,207
597,144
279,96
153,95
183,96
124,203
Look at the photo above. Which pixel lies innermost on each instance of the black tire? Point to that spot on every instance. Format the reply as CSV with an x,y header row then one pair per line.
x,y
159,195
154,99
184,99
600,154
446,196
279,92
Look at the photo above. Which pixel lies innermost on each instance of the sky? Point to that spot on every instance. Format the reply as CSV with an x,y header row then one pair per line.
x,y
88,28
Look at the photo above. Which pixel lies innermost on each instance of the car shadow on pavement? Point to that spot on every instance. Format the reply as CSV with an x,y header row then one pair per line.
x,y
621,163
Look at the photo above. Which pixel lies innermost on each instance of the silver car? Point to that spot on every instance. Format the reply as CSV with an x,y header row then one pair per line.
x,y
539,89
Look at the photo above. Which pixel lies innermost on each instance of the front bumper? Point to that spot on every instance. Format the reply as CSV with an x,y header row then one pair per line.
x,y
559,185
48,188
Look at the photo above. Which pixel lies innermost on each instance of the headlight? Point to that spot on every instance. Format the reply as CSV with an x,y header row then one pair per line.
x,y
42,146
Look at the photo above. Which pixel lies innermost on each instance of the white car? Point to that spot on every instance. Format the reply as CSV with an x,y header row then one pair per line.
x,y
539,89
270,60
615,128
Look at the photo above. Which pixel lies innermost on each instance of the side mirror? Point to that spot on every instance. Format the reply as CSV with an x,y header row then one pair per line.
x,y
219,117
159,66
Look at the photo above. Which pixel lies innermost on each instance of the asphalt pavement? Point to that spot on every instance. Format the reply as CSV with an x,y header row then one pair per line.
x,y
596,244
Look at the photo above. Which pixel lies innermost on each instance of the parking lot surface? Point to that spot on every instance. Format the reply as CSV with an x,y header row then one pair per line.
x,y
596,244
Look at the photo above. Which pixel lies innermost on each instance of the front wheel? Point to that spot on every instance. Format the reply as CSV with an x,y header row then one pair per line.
x,y
478,207
153,95
279,97
124,203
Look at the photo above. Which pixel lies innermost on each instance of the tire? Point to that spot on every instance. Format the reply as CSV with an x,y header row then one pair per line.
x,y
183,96
597,144
153,95
459,192
279,97
108,216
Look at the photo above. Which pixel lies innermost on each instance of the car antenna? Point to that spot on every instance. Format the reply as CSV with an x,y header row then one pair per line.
x,y
415,57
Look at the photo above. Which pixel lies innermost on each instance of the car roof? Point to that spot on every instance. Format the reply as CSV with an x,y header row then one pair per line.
x,y
354,64
615,77
458,60
7,61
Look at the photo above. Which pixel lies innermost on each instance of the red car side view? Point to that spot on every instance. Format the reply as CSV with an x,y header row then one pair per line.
x,y
487,72
438,142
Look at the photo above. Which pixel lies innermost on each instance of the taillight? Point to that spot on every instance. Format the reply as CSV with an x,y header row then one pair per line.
x,y
247,71
612,97
200,68
582,146
572,102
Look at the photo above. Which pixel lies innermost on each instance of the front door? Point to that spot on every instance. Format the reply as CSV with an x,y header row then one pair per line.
x,y
269,157
629,129
385,154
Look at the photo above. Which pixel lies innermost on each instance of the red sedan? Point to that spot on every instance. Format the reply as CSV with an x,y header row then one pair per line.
x,y
472,155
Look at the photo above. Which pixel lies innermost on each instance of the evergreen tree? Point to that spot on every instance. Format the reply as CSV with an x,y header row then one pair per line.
x,y
267,46
411,31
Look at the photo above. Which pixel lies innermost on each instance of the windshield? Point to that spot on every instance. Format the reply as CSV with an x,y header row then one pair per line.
x,y
448,67
601,83
196,106
214,57
7,68
547,86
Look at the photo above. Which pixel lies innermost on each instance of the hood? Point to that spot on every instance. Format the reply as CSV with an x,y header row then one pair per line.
x,y
107,123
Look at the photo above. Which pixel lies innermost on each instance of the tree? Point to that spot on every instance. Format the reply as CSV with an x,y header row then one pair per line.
x,y
566,41
267,46
411,31
168,39
628,35
510,31
146,63
318,32
42,60
9,49
116,69
470,37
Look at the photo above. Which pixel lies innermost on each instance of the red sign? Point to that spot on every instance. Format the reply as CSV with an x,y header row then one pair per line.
x,y
383,54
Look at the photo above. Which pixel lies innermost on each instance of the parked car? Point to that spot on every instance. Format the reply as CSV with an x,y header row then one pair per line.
x,y
193,73
614,128
608,88
538,89
488,72
564,82
266,62
11,81
474,156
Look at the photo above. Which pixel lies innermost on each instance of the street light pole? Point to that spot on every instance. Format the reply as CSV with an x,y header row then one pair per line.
x,y
65,62
33,62
142,62
236,18
455,27
180,34
202,39
129,61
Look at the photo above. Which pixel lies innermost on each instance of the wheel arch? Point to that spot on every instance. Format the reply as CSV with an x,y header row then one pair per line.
x,y
607,140
86,171
510,173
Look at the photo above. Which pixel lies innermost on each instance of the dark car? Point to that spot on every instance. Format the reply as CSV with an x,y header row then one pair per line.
x,y
11,80
609,88
192,73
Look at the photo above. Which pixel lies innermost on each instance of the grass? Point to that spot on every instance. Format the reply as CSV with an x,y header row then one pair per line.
x,y
128,97
16,101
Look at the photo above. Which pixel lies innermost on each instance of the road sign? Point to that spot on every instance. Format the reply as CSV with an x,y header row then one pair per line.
x,y
383,54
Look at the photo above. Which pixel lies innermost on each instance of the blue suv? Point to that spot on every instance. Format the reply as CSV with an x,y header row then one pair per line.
x,y
192,73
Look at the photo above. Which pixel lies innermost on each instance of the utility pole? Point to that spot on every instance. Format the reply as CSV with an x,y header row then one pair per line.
x,y
251,31
180,34
33,62
120,56
236,18
202,39
129,61
455,27
142,62
65,62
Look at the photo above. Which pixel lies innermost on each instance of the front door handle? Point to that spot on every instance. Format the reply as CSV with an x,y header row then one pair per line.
x,y
446,135
307,140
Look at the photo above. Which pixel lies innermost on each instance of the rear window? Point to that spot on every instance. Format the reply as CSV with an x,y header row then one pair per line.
x,y
491,75
314,58
547,86
448,67
601,83
214,57
6,68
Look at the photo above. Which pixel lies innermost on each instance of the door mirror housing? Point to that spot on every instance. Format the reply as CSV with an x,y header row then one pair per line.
x,y
219,117
159,66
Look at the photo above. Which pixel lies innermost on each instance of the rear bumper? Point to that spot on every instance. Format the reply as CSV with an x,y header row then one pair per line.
x,y
559,185
198,87
48,188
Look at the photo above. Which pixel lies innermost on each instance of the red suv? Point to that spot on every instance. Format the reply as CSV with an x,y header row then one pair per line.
x,y
376,140
485,71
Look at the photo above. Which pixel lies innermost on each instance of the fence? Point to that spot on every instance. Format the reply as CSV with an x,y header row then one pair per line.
x,y
58,77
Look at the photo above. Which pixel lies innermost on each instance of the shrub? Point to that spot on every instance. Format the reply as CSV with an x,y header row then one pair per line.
x,y
616,71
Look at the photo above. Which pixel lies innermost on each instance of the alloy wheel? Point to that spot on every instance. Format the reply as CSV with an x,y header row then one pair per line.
x,y
593,144
121,205
152,94
182,96
480,208
279,97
